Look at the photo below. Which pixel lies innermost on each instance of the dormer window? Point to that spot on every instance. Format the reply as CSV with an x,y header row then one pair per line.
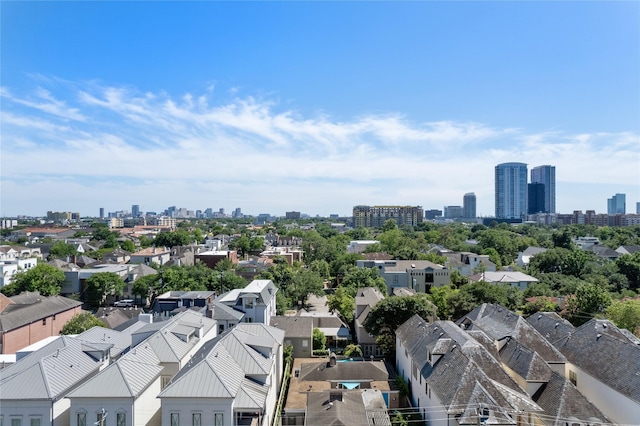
x,y
248,303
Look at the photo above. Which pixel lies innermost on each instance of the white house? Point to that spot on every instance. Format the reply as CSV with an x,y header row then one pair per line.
x,y
125,393
9,268
514,278
233,380
257,301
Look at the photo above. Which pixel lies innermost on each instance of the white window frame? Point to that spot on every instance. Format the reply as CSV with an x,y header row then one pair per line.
x,y
175,419
218,419
196,419
81,418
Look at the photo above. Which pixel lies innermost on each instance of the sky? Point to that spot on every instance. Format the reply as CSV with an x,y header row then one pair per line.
x,y
313,106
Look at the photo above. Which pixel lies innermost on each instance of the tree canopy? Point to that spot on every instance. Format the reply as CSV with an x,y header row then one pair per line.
x,y
43,278
81,322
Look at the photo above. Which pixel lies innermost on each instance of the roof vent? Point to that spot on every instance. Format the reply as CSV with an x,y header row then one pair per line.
x,y
598,336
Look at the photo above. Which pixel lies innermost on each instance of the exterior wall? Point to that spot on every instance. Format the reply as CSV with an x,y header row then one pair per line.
x,y
185,407
147,408
16,339
93,406
26,410
299,350
616,406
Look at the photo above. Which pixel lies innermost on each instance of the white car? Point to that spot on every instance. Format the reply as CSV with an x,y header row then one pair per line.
x,y
124,303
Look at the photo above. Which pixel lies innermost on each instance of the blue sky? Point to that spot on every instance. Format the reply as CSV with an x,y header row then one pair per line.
x,y
313,106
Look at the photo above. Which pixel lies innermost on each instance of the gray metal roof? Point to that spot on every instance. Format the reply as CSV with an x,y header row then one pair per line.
x,y
222,312
219,369
50,372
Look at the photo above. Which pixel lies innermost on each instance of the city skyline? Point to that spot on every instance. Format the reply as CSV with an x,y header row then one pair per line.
x,y
313,106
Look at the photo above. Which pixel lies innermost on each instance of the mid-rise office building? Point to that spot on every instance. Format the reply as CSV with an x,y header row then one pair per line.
x,y
511,190
546,175
469,205
376,216
617,204
135,210
453,212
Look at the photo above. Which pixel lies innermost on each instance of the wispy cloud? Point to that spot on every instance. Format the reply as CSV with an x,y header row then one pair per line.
x,y
256,153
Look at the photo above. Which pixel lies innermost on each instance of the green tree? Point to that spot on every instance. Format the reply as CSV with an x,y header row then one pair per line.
x,y
352,350
303,284
128,245
356,278
43,278
629,266
173,238
590,300
319,340
81,322
241,244
342,302
60,250
144,287
391,312
389,225
100,285
625,314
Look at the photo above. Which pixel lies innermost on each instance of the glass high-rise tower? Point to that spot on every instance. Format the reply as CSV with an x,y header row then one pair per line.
x,y
546,175
511,190
469,205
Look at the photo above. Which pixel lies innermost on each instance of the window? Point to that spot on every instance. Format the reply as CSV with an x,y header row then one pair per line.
x,y
34,421
220,328
175,419
44,321
305,343
248,303
16,421
428,277
573,377
121,419
82,419
164,381
218,419
196,419
100,419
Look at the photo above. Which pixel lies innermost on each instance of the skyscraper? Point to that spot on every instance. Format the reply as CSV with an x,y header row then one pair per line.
x,y
469,205
546,175
535,198
617,204
511,190
135,210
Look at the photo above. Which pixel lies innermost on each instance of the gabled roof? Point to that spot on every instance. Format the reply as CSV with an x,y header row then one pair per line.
x,y
551,326
461,372
29,307
222,312
498,322
118,341
599,348
526,363
264,290
50,372
561,400
507,277
294,326
219,368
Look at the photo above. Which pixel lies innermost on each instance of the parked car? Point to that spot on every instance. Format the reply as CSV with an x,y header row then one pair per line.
x,y
124,303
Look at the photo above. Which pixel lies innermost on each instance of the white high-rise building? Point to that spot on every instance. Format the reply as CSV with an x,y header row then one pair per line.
x,y
511,190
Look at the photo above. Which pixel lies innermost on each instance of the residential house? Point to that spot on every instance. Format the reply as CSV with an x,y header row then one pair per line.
x,y
225,316
360,245
211,258
232,380
113,317
298,332
10,268
628,249
257,301
603,362
454,380
30,317
117,256
323,391
524,257
366,298
125,393
34,389
149,255
335,330
16,252
514,278
166,303
532,362
604,252
419,275
467,263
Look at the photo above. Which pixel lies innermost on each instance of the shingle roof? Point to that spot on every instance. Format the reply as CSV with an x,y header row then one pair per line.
x,y
347,412
461,372
526,363
561,400
600,349
29,307
498,322
222,312
367,371
294,326
551,325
